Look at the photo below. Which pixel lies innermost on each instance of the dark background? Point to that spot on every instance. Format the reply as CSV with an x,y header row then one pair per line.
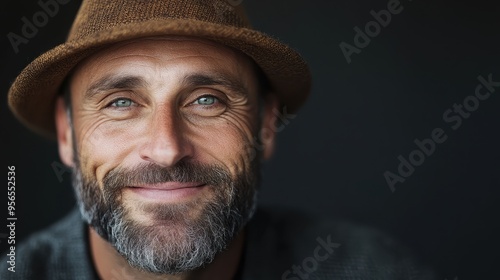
x,y
361,116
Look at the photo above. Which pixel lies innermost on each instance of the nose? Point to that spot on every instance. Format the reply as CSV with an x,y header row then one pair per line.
x,y
166,143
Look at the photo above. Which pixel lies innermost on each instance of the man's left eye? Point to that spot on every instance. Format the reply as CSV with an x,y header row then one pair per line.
x,y
206,100
121,103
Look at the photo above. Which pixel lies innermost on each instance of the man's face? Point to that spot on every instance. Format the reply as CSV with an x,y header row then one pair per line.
x,y
162,135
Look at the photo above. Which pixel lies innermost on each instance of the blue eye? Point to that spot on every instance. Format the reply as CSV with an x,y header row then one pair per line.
x,y
206,100
122,102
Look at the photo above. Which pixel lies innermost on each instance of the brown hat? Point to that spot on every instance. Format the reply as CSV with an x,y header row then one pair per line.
x,y
100,23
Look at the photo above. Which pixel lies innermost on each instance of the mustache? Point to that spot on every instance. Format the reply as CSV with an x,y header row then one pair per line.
x,y
183,171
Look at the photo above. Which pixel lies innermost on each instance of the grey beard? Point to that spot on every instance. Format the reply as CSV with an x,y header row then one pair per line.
x,y
176,242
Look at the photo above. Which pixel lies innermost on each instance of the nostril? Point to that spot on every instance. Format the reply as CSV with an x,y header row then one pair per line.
x,y
165,151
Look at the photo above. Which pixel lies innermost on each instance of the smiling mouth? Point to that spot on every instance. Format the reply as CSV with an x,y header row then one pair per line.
x,y
168,191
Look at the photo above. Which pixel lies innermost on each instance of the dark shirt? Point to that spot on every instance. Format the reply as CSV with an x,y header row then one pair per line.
x,y
279,245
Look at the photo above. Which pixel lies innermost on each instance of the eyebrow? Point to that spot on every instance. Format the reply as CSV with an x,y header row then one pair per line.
x,y
114,82
216,79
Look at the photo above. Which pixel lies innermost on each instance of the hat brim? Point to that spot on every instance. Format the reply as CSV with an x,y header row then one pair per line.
x,y
32,95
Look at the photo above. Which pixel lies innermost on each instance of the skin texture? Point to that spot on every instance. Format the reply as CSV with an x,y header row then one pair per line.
x,y
183,99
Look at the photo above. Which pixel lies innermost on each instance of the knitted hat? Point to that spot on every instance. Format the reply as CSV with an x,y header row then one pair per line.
x,y
101,23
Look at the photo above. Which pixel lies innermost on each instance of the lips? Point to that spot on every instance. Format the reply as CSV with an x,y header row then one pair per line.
x,y
169,186
168,191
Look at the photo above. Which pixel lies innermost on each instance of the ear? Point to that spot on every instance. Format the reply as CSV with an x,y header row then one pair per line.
x,y
64,135
269,127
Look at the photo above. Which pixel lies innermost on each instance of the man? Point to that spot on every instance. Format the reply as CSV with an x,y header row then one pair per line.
x,y
164,110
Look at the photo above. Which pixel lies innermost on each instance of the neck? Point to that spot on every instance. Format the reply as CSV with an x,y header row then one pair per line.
x,y
111,265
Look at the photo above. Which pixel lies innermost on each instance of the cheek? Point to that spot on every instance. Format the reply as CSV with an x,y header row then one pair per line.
x,y
230,142
103,145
